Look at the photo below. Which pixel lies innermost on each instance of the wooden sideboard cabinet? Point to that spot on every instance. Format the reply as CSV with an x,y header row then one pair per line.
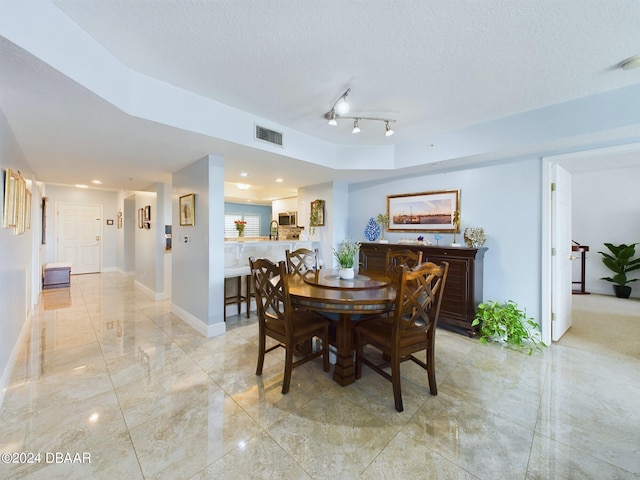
x,y
463,290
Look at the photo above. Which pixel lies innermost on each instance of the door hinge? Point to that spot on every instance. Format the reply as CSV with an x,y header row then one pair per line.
x,y
553,317
553,186
553,252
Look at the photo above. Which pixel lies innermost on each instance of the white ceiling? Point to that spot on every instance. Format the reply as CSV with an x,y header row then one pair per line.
x,y
433,66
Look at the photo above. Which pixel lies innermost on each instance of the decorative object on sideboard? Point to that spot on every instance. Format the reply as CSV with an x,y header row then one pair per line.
x,y
425,212
372,230
346,257
620,261
383,220
456,229
474,237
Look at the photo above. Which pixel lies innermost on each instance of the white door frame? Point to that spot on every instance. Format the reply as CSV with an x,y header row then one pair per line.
x,y
546,241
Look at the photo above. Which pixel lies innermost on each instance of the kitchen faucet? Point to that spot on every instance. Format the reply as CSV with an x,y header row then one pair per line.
x,y
277,235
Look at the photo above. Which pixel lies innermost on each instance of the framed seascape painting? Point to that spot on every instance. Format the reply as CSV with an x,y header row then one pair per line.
x,y
424,212
188,210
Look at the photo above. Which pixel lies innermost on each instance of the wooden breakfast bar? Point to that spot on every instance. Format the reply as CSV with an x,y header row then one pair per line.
x,y
323,291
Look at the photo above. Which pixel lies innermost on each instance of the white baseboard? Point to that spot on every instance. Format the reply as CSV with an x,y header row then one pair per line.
x,y
202,328
125,273
8,370
157,296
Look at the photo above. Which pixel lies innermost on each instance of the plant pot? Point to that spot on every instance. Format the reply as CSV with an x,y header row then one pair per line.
x,y
622,291
347,273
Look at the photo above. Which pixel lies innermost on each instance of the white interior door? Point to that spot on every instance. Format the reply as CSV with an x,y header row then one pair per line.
x,y
79,236
561,248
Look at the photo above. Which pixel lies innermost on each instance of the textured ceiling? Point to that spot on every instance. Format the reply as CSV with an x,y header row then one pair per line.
x,y
433,66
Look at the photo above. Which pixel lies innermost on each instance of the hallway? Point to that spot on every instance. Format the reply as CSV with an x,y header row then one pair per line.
x,y
110,373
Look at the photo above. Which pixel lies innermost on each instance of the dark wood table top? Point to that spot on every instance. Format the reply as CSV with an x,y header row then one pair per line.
x,y
323,291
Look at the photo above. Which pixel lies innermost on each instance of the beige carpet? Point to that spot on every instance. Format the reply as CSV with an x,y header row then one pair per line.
x,y
605,324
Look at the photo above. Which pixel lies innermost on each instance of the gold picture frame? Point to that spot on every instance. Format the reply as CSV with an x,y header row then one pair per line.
x,y
187,207
11,178
426,212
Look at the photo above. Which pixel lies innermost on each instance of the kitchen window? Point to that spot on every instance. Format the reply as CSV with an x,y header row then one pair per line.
x,y
251,229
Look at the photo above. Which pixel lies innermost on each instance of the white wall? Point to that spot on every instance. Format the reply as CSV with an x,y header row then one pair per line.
x,y
606,208
197,264
17,274
324,234
145,245
503,199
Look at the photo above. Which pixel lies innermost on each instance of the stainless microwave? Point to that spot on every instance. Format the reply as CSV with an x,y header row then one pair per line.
x,y
288,218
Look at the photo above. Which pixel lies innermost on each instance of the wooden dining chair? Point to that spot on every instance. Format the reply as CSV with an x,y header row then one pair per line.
x,y
395,259
412,327
278,320
302,261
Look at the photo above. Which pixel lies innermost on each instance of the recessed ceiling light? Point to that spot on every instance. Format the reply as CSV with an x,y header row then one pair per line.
x,y
244,174
81,186
96,182
242,186
279,180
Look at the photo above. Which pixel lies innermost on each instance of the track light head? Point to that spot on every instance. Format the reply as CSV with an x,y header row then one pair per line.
x,y
340,107
388,132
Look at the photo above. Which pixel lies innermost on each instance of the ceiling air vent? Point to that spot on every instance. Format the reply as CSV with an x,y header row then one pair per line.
x,y
267,135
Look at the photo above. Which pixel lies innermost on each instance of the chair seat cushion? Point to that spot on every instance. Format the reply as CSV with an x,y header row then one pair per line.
x,y
380,330
303,323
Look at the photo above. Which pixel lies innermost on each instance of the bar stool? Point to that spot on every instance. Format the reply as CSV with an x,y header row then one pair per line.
x,y
237,273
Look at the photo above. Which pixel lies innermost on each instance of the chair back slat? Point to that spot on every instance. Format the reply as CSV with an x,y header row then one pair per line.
x,y
269,289
302,261
396,259
418,297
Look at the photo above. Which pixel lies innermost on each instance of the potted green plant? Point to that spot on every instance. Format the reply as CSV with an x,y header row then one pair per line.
x,y
346,258
507,323
620,261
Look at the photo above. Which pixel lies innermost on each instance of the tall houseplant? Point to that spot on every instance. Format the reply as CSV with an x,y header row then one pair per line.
x,y
620,261
507,323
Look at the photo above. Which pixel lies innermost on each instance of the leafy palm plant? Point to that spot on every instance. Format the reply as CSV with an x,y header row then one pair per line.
x,y
620,263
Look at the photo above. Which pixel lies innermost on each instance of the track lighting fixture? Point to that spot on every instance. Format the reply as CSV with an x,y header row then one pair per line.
x,y
340,107
388,132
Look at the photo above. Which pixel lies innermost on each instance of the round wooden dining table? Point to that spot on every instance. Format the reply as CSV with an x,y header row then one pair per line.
x,y
323,291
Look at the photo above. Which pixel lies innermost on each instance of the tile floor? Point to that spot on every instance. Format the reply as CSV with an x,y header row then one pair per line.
x,y
113,377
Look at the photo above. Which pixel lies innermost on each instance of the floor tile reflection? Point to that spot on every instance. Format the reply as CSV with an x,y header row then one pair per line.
x,y
109,372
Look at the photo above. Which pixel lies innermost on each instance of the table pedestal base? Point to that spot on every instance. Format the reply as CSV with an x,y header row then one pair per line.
x,y
344,372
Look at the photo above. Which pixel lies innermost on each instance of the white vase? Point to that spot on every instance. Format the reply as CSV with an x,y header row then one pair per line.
x,y
347,273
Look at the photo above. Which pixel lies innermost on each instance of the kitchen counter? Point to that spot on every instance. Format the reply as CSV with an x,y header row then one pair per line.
x,y
237,252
